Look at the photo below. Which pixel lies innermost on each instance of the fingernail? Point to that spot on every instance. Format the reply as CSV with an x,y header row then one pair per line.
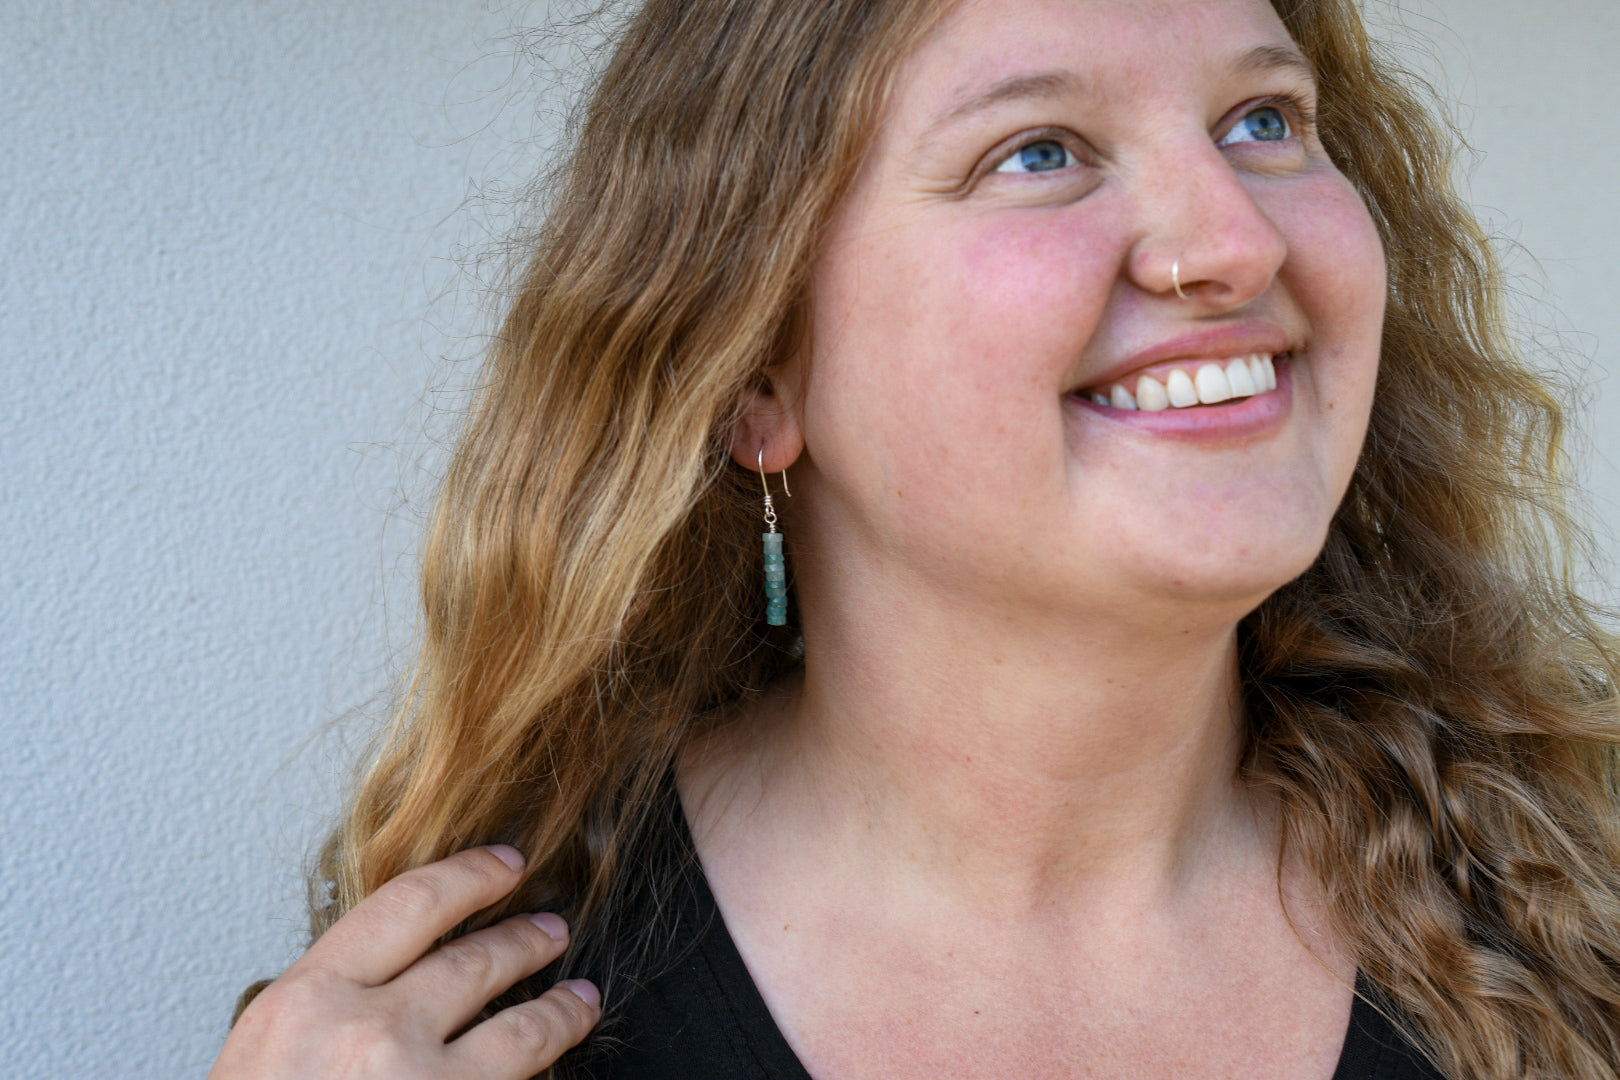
x,y
553,925
584,991
511,856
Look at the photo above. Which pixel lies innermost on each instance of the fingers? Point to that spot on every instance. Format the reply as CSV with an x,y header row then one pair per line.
x,y
516,1043
317,1025
375,998
387,931
457,980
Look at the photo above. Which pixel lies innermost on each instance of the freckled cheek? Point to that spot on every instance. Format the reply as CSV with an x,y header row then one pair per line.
x,y
1337,271
943,342
1028,294
1010,309
1338,257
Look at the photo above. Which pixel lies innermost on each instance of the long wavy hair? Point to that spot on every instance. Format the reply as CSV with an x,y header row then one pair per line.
x,y
1432,703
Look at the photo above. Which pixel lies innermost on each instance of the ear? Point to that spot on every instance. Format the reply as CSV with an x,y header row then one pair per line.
x,y
769,420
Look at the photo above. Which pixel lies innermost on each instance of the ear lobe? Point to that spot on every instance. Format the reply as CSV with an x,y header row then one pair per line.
x,y
767,422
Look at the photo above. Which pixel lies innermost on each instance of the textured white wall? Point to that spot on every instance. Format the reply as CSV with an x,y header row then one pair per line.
x,y
1535,87
227,230
221,302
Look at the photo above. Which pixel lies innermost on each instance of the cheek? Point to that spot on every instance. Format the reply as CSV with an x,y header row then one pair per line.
x,y
1048,271
1336,272
1011,301
942,351
1338,269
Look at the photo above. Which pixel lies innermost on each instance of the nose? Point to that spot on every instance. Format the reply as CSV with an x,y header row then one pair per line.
x,y
1204,237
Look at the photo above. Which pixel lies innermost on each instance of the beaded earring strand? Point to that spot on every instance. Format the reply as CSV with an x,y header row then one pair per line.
x,y
775,561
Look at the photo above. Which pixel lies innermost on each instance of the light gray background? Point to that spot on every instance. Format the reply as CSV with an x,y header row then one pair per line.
x,y
238,243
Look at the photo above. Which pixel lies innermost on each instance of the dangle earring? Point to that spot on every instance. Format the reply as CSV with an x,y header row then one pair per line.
x,y
775,561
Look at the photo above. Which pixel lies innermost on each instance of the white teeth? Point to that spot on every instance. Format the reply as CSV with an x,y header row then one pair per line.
x,y
1242,383
1211,385
1150,396
1183,394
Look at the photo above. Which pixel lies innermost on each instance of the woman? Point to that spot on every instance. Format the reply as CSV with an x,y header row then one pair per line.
x,y
1189,681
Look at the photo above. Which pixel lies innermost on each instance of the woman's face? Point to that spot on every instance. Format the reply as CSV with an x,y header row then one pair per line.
x,y
1047,172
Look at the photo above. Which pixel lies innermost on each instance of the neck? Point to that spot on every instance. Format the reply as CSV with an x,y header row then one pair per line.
x,y
999,755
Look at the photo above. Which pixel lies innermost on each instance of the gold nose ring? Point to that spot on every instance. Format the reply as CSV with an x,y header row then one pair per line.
x,y
1175,277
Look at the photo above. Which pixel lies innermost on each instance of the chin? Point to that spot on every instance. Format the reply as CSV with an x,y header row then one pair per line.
x,y
1236,578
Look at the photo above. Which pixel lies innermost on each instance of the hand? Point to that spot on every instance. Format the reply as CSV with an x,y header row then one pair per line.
x,y
374,998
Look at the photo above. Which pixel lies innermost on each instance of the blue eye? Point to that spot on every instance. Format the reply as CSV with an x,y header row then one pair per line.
x,y
1265,124
1042,156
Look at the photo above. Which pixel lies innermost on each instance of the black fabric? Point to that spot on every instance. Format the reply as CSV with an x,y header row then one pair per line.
x,y
702,1018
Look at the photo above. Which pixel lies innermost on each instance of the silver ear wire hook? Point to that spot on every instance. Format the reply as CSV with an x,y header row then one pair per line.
x,y
770,510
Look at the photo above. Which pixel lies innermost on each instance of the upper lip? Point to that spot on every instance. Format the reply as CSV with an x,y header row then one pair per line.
x,y
1215,343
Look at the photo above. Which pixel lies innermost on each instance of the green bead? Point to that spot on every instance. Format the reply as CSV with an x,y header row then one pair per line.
x,y
776,586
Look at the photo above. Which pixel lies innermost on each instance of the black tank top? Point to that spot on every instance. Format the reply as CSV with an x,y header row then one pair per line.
x,y
700,1017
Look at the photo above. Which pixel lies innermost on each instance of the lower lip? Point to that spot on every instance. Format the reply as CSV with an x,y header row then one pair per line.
x,y
1249,418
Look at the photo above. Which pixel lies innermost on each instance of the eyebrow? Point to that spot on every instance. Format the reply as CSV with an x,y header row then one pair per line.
x,y
1047,84
1056,84
1268,58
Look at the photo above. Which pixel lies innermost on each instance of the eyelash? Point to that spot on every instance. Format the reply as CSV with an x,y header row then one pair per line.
x,y
1300,111
1050,134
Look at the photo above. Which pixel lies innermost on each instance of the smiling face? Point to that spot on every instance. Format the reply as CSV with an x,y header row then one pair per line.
x,y
1077,217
